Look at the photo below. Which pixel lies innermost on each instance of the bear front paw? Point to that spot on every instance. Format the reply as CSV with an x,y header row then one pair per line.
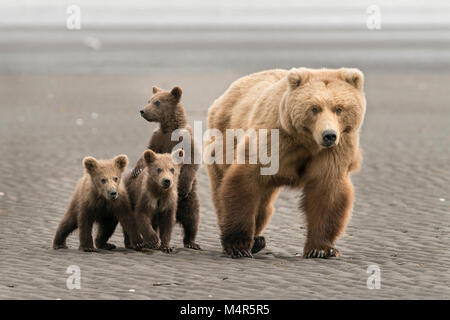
x,y
59,246
259,243
192,245
87,249
106,246
238,249
166,249
152,243
322,253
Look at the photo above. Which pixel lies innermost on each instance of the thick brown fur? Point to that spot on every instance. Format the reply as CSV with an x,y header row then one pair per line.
x,y
154,204
302,103
165,108
101,197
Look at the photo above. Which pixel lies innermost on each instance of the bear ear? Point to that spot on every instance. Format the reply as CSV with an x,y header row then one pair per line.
x,y
178,156
149,156
156,89
121,161
297,77
91,164
353,76
176,92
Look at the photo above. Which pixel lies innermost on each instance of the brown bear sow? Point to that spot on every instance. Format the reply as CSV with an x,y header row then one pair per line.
x,y
318,114
165,108
153,197
100,196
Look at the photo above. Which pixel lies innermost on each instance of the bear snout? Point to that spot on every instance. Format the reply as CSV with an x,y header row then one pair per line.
x,y
329,138
142,112
112,194
166,183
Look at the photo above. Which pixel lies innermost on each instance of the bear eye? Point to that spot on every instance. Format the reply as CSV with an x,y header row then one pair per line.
x,y
172,170
116,179
338,110
159,170
157,103
315,110
103,180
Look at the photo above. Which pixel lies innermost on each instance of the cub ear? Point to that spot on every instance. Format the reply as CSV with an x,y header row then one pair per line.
x,y
178,156
91,164
176,92
149,156
156,89
297,77
121,161
353,77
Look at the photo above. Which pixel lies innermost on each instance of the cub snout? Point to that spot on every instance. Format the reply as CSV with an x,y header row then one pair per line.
x,y
166,183
112,194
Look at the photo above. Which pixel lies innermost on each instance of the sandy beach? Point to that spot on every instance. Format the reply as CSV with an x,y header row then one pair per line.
x,y
400,220
66,94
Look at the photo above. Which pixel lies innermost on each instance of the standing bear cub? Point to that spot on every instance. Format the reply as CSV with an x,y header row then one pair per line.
x,y
100,196
318,115
153,197
165,108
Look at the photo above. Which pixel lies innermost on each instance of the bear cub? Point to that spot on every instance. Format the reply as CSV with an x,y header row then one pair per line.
x,y
153,197
165,108
100,197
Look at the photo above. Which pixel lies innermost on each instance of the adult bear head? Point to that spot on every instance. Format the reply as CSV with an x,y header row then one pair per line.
x,y
322,105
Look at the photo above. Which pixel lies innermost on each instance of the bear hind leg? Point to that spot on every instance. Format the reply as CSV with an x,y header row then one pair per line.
x,y
65,228
188,217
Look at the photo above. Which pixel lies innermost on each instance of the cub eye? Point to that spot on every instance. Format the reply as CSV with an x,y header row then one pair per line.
x,y
116,179
338,111
172,170
157,103
103,180
315,110
159,170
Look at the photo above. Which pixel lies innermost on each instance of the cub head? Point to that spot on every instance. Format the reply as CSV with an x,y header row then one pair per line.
x,y
164,169
162,105
323,105
106,174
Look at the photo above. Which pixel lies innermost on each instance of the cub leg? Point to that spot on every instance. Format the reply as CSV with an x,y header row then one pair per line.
x,y
166,222
67,225
188,217
106,229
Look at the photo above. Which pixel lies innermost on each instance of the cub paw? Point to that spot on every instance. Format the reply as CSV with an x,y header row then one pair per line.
x,y
192,245
87,249
324,253
166,249
106,246
59,246
259,243
153,243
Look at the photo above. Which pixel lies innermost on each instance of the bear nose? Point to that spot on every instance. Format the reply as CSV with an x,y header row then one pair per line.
x,y
329,137
113,194
166,183
142,112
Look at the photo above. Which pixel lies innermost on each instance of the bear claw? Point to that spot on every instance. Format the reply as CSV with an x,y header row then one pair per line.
x,y
322,253
166,249
192,245
239,253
